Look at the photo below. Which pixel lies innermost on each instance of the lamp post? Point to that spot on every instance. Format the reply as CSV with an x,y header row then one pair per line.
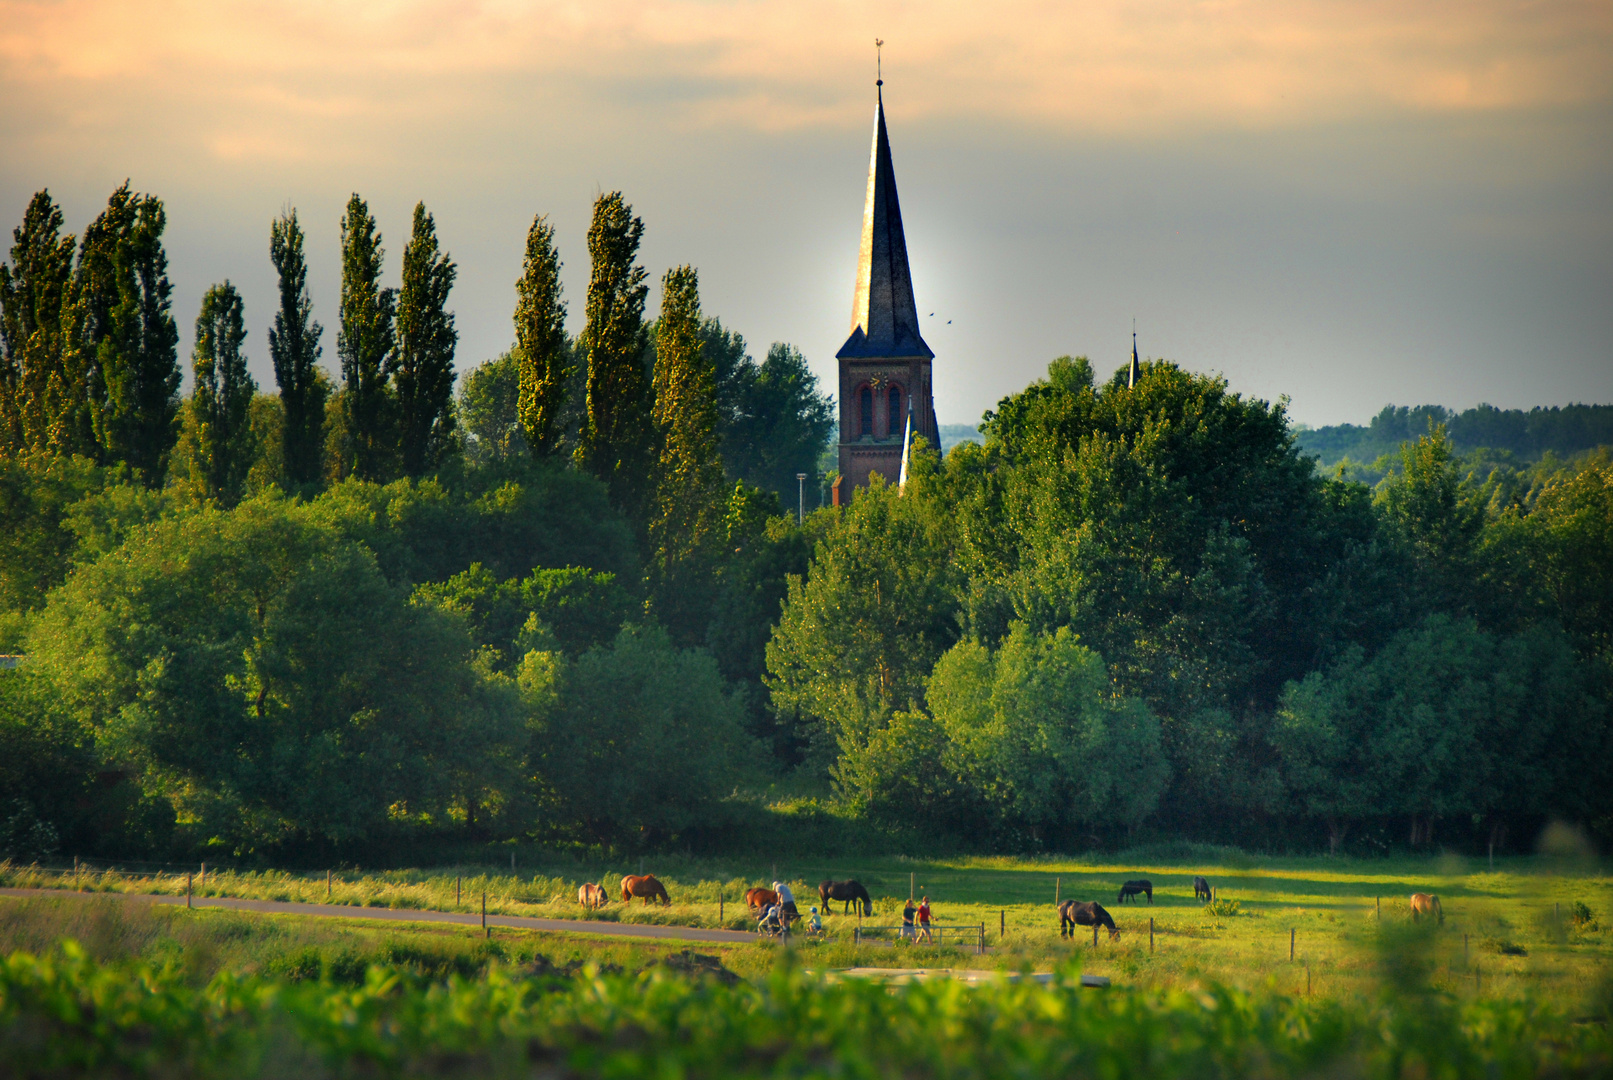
x,y
800,491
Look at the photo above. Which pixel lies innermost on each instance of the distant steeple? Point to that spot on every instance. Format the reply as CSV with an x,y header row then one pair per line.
x,y
1136,368
884,315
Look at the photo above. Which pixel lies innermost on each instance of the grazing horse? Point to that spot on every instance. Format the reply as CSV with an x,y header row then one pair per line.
x,y
646,887
1201,889
851,892
592,896
1132,888
1072,913
1426,904
760,899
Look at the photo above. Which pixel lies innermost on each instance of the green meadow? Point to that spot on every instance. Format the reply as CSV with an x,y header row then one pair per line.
x,y
1530,927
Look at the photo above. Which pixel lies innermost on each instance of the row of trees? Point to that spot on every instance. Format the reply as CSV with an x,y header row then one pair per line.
x,y
1141,605
1131,609
366,609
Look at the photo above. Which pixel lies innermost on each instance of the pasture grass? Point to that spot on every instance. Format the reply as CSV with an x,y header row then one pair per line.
x,y
1509,932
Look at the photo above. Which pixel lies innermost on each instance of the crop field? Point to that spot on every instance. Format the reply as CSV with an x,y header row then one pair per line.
x,y
1308,926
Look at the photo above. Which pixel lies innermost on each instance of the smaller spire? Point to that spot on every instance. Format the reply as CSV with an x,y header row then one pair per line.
x,y
1136,368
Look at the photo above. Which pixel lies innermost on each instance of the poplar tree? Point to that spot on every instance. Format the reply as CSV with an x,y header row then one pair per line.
x,y
365,345
617,442
540,341
423,372
294,347
124,344
216,443
689,489
33,289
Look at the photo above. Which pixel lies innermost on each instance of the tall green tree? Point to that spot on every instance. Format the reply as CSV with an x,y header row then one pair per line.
x,y
1037,728
294,347
858,636
122,335
617,442
423,368
540,340
34,391
691,497
366,346
488,410
1435,520
216,443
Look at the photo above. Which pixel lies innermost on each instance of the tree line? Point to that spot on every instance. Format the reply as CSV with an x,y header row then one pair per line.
x,y
567,605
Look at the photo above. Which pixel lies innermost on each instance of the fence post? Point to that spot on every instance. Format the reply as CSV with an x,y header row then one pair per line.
x,y
1056,892
910,876
187,888
719,909
458,880
76,885
982,939
327,884
1377,902
485,931
1002,924
1150,935
1290,944
203,882
857,933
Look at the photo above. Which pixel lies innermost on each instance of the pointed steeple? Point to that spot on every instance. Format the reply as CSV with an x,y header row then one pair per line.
x,y
884,315
1136,368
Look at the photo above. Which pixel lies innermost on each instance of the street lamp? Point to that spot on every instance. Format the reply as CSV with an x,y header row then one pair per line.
x,y
800,491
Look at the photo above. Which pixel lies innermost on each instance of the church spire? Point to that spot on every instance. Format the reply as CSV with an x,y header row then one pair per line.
x,y
884,315
1136,368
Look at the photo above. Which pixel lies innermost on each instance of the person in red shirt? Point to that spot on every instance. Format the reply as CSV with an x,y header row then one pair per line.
x,y
924,919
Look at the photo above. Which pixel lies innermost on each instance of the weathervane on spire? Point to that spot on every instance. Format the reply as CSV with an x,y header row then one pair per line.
x,y
879,67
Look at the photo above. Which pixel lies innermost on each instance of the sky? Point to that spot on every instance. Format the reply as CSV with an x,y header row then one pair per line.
x,y
1349,204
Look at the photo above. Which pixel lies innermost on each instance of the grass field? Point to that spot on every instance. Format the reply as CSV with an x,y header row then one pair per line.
x,y
1507,932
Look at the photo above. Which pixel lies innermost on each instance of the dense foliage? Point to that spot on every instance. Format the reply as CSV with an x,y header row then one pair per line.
x,y
574,603
63,1014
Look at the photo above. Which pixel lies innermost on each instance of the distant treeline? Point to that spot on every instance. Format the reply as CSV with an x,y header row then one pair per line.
x,y
1564,431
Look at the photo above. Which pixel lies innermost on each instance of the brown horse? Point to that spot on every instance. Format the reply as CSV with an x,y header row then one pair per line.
x,y
760,899
592,896
646,887
1073,913
1426,904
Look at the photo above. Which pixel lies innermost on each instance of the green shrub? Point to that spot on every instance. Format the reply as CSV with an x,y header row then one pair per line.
x,y
1223,908
62,1014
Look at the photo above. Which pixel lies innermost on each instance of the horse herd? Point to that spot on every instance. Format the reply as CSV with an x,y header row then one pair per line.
x,y
648,888
855,898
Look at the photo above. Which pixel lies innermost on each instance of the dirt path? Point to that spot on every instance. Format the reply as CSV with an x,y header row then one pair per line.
x,y
345,911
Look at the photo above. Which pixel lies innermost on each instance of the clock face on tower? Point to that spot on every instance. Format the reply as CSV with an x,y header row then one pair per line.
x,y
885,392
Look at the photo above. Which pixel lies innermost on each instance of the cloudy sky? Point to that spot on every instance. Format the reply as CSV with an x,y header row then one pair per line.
x,y
1350,203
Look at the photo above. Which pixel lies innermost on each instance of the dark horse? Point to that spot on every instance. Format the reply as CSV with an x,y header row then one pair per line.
x,y
1201,889
1132,888
849,891
1072,913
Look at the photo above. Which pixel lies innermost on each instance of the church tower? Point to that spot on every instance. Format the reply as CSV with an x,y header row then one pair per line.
x,y
884,364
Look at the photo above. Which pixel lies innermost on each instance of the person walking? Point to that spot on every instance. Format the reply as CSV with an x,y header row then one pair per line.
x,y
786,900
907,920
924,920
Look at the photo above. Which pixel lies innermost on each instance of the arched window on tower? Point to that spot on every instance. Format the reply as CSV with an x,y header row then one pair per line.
x,y
867,410
897,426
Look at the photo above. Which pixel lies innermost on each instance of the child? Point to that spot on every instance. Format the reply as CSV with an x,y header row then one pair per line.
x,y
814,924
